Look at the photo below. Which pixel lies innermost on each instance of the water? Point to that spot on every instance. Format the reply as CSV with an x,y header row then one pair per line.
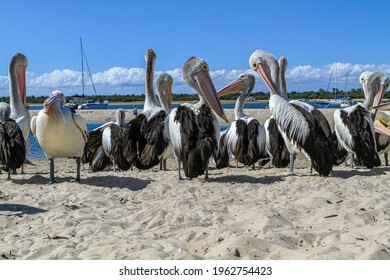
x,y
230,105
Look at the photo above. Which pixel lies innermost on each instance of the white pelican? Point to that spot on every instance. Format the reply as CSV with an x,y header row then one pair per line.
x,y
17,89
60,132
164,92
146,137
105,145
354,125
194,129
303,127
245,139
12,144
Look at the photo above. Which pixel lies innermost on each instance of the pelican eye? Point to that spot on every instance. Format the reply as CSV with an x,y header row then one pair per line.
x,y
242,76
253,64
205,67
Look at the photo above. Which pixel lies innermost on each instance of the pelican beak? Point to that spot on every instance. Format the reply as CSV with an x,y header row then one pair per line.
x,y
379,127
49,101
238,85
383,107
210,93
21,77
265,74
378,99
167,89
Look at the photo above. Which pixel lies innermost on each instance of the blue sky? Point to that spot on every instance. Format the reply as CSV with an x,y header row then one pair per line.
x,y
116,34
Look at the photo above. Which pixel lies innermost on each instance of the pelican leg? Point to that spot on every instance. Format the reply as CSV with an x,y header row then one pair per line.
x,y
78,163
178,165
311,168
51,164
292,158
207,171
161,163
113,162
386,159
351,160
165,164
9,175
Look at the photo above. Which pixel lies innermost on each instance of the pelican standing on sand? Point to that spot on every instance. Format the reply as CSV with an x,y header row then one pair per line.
x,y
245,139
60,132
194,129
146,137
12,144
164,93
105,145
354,125
17,89
301,125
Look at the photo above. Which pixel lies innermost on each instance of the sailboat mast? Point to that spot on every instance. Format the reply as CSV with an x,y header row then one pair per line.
x,y
82,65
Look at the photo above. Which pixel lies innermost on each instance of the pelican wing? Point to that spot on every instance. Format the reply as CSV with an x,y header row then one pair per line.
x,y
12,145
275,144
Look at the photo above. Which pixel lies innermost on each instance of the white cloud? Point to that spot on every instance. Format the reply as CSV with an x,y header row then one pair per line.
x,y
122,80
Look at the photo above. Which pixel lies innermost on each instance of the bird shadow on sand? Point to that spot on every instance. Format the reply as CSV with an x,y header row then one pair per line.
x,y
19,209
247,179
110,181
345,174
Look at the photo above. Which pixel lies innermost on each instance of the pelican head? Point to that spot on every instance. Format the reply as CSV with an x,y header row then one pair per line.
x,y
376,86
244,83
5,112
56,96
196,74
266,65
17,67
120,117
164,85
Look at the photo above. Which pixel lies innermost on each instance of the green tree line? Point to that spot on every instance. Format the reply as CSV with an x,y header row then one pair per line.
x,y
320,94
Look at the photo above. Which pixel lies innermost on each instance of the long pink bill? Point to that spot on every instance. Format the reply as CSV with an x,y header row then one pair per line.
x,y
379,127
210,93
237,85
21,77
264,73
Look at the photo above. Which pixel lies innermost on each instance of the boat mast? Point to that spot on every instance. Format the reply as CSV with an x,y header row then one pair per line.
x,y
83,56
82,65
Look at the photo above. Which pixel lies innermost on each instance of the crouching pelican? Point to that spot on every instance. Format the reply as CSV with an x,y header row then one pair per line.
x,y
60,132
105,145
354,125
12,144
193,128
245,139
303,128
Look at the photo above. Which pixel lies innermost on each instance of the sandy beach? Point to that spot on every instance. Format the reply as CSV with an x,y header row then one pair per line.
x,y
239,213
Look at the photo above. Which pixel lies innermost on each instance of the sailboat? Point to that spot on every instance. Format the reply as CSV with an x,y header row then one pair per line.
x,y
81,102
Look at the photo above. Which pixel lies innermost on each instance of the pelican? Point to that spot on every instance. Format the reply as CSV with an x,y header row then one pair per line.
x,y
245,139
59,131
382,139
303,127
147,137
17,88
12,144
164,91
194,129
354,125
105,145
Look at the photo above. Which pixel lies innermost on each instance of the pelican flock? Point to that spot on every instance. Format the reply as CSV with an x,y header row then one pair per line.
x,y
191,132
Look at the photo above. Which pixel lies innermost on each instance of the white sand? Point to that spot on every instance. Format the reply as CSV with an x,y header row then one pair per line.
x,y
236,214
